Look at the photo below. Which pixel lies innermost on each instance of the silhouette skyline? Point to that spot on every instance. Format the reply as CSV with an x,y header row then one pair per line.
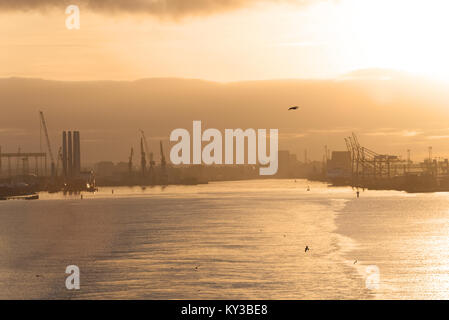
x,y
405,112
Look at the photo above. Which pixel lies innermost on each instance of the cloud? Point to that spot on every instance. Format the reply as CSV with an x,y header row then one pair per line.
x,y
287,136
13,132
330,131
438,137
402,133
153,7
302,44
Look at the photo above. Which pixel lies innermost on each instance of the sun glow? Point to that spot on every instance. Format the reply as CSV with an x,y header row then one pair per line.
x,y
324,39
399,34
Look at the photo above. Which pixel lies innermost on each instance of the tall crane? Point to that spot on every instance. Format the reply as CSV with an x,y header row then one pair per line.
x,y
164,176
152,162
59,159
143,160
368,162
147,149
163,162
130,161
44,126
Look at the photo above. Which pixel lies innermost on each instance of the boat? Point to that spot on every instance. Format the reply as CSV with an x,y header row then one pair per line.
x,y
32,197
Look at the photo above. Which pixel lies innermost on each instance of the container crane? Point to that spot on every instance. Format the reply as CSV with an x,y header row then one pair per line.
x,y
44,126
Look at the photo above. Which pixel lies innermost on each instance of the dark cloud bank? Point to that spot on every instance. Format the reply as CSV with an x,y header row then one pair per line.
x,y
153,7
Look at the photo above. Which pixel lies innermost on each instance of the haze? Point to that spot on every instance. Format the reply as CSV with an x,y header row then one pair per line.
x,y
392,112
342,52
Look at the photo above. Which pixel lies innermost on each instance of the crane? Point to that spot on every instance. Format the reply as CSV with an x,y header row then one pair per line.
x,y
147,149
163,162
143,161
164,176
152,162
59,159
130,161
44,126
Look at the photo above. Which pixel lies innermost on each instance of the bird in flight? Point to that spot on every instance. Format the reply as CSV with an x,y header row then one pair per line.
x,y
306,249
293,108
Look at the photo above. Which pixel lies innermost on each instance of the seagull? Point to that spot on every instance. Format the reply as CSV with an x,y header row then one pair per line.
x,y
306,249
293,108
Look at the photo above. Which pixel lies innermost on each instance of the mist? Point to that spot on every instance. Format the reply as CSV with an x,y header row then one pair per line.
x,y
390,116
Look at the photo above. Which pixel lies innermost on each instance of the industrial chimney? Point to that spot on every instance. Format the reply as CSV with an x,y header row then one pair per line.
x,y
64,154
70,154
76,153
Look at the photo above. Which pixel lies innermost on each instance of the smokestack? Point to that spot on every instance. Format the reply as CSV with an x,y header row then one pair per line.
x,y
76,153
64,154
70,154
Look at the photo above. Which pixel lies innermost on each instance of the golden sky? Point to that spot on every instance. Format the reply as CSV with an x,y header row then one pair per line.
x,y
229,41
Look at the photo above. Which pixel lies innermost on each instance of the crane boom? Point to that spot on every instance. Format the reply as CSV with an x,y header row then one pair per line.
x,y
163,162
130,161
143,160
44,125
147,150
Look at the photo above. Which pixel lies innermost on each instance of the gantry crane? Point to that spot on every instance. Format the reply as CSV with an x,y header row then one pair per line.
x,y
366,162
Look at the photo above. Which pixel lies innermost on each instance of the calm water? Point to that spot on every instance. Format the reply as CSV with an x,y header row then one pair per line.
x,y
229,240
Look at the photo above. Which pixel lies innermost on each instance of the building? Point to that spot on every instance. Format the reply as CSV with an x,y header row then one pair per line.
x,y
339,166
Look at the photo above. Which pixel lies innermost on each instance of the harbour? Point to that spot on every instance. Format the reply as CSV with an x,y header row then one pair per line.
x,y
168,243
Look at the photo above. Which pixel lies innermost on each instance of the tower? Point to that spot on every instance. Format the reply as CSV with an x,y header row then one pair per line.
x,y
76,153
64,154
70,154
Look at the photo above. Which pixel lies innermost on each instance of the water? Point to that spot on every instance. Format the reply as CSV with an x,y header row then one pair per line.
x,y
227,240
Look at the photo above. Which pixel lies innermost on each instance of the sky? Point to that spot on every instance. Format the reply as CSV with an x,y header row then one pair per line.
x,y
225,41
229,41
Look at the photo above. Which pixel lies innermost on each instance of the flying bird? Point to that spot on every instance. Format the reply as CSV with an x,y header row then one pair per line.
x,y
293,108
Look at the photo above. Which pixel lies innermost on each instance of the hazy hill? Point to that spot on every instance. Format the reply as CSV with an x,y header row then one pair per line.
x,y
391,112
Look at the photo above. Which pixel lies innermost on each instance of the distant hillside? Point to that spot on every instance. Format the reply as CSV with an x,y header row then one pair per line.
x,y
391,111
